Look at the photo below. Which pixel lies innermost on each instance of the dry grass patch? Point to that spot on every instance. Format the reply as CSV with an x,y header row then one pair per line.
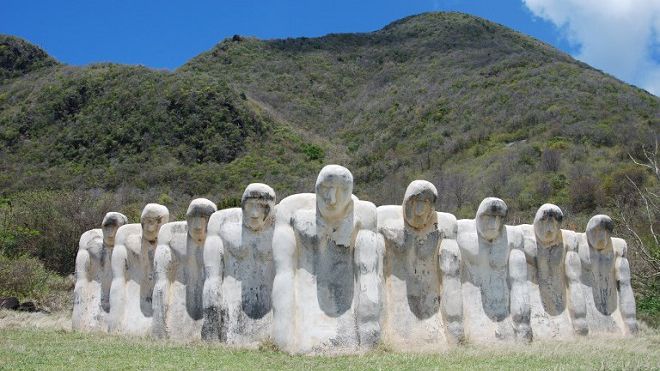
x,y
29,341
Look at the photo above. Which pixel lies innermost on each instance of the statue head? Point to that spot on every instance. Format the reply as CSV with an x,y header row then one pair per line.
x,y
599,231
258,204
419,204
152,218
547,224
490,218
334,191
111,222
197,218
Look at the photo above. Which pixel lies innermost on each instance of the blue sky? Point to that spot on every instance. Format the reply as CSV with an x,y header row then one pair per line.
x,y
165,34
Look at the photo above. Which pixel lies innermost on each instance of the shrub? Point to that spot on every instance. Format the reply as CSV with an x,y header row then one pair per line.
x,y
26,278
550,160
313,152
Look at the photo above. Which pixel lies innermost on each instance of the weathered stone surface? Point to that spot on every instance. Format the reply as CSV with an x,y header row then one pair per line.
x,y
605,279
422,290
553,272
328,288
132,273
325,272
494,276
239,260
179,269
91,295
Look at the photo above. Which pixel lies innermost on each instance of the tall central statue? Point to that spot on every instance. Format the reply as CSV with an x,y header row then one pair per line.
x,y
132,273
179,269
328,269
238,257
494,276
422,293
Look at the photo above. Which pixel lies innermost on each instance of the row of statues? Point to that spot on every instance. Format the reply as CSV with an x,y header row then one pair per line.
x,y
328,272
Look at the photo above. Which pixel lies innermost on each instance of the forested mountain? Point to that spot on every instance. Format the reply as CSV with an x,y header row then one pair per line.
x,y
473,106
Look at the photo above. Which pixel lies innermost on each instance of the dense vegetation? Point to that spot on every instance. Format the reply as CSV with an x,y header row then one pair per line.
x,y
468,104
18,57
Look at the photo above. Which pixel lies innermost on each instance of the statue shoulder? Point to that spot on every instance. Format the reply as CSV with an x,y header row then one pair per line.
x,y
389,217
466,226
91,239
126,231
366,215
620,247
286,208
515,236
447,225
169,230
220,217
570,239
529,241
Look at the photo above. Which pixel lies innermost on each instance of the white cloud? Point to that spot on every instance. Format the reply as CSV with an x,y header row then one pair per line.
x,y
616,36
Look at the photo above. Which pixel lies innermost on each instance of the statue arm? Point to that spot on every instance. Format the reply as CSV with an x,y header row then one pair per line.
x,y
118,287
452,299
576,305
519,295
212,292
626,297
162,264
82,277
284,311
369,247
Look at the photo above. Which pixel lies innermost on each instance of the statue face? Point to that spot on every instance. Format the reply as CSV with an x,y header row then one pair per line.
x,y
332,197
109,231
489,226
547,230
197,227
255,213
599,237
150,228
419,211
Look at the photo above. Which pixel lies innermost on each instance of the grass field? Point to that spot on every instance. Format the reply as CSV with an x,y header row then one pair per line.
x,y
46,342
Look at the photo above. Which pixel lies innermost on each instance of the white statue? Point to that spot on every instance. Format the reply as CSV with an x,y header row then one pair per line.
x,y
326,295
423,308
553,272
606,279
494,276
132,273
238,257
94,274
179,268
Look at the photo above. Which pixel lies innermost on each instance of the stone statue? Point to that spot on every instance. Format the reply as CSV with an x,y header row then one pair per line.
x,y
553,274
328,270
91,294
494,276
179,268
423,308
132,273
606,279
238,256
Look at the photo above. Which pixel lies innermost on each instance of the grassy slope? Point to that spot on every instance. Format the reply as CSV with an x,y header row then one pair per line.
x,y
442,95
32,349
105,126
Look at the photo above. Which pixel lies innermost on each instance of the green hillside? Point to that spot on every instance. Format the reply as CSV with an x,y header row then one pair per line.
x,y
447,97
18,57
470,105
